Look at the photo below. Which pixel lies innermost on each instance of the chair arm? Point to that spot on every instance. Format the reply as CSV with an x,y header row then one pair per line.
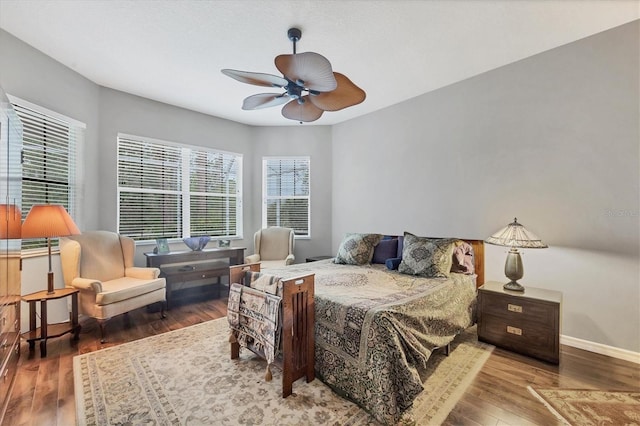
x,y
87,284
289,259
253,258
142,273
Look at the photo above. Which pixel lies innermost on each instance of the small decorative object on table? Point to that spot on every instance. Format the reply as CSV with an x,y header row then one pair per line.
x,y
224,243
196,243
162,246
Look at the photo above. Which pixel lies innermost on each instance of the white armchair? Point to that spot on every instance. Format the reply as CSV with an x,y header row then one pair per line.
x,y
273,247
100,265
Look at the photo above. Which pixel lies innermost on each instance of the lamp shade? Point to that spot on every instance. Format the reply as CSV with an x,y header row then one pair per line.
x,y
10,222
47,221
515,235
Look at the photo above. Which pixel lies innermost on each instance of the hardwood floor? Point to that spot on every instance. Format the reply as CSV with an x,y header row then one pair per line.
x,y
43,392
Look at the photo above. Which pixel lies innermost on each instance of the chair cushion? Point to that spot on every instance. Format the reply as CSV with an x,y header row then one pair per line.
x,y
126,288
266,264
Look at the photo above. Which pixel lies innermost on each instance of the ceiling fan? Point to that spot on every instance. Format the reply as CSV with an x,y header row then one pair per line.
x,y
310,85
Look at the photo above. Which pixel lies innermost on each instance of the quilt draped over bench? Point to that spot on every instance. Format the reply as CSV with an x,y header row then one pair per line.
x,y
254,315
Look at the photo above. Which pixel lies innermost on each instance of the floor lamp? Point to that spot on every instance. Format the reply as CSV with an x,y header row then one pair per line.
x,y
48,221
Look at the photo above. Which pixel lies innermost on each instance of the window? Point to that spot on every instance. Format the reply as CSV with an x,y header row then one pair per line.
x,y
49,169
174,191
285,189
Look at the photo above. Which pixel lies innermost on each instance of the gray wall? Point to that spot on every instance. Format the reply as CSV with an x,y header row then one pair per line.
x,y
552,139
28,74
312,141
124,113
33,76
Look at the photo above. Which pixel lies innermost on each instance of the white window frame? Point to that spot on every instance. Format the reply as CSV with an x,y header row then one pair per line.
x,y
184,191
266,197
75,169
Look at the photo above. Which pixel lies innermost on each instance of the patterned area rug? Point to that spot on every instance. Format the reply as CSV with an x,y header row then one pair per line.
x,y
591,407
186,377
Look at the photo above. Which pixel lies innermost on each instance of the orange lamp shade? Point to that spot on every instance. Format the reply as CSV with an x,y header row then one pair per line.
x,y
47,221
10,222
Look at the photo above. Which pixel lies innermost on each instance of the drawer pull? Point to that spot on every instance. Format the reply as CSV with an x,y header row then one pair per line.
x,y
514,308
514,330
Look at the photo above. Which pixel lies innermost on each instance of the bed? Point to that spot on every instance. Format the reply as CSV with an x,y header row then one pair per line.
x,y
376,328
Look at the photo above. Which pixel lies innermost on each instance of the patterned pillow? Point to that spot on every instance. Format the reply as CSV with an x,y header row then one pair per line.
x,y
427,257
357,249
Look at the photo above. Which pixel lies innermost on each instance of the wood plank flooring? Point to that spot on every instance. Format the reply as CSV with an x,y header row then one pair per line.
x,y
43,392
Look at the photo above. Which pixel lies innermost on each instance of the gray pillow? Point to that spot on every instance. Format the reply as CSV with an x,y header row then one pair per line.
x,y
357,249
426,257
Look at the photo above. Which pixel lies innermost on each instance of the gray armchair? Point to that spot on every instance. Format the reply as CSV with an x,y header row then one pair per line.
x,y
273,247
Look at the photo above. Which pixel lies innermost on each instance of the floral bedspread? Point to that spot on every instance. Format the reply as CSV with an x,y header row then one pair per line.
x,y
376,329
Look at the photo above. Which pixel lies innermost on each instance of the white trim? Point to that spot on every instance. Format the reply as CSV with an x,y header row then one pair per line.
x,y
176,144
71,121
599,348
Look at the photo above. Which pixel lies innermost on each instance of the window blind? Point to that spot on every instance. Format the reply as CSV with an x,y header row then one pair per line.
x,y
48,162
286,184
173,191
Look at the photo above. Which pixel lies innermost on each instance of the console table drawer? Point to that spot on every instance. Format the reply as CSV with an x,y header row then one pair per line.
x,y
198,275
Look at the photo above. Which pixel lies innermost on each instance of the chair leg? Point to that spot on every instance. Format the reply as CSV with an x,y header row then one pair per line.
x,y
101,323
163,315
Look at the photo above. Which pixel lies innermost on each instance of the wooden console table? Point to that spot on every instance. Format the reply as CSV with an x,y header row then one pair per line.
x,y
46,330
185,269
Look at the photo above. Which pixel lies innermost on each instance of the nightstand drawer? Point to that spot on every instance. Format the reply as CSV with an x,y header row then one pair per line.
x,y
518,309
520,336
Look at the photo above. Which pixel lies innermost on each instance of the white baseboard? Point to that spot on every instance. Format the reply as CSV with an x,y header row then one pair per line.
x,y
599,348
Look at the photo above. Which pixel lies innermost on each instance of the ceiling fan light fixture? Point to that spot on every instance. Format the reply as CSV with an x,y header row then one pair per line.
x,y
307,72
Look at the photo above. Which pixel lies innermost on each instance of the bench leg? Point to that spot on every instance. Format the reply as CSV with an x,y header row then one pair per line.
x,y
235,350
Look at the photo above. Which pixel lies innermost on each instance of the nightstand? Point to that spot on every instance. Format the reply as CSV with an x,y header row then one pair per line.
x,y
527,322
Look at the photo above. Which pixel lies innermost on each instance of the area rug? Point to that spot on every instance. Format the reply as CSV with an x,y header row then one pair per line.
x,y
186,377
591,407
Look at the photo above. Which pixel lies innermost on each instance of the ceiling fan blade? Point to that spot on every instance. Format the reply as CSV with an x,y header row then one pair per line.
x,y
264,100
307,69
301,112
346,94
257,78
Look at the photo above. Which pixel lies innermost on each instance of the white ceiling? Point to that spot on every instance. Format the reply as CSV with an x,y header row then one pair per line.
x,y
173,51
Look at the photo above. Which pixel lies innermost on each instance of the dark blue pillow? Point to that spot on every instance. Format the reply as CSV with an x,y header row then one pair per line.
x,y
385,249
393,263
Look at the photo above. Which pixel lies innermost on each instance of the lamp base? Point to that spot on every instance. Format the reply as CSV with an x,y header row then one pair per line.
x,y
513,286
50,288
